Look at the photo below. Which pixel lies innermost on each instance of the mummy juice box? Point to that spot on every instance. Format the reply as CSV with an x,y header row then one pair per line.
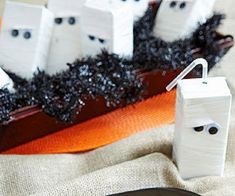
x,y
107,25
202,123
66,39
25,38
178,19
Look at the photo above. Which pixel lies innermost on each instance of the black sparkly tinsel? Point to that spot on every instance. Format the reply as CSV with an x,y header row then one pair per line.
x,y
64,94
151,52
109,76
7,101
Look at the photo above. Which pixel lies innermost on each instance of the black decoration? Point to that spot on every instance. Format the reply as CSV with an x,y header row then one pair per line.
x,y
154,53
7,103
72,21
15,33
27,35
58,20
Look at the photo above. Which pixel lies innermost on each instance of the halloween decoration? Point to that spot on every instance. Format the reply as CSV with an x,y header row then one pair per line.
x,y
107,25
105,81
202,122
178,19
66,42
54,92
25,38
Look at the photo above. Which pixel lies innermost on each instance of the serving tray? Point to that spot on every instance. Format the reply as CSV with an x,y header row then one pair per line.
x,y
30,123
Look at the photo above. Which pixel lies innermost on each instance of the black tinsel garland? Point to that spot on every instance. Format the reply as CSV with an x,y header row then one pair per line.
x,y
108,75
154,53
63,95
7,102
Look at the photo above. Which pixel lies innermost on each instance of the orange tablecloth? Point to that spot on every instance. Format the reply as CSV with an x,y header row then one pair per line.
x,y
105,129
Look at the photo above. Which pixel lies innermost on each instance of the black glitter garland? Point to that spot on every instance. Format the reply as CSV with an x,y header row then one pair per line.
x,y
153,53
109,76
144,26
7,103
63,95
205,37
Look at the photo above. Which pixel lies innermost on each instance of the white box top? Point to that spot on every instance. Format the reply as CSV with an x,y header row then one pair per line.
x,y
106,17
22,15
62,8
195,88
107,7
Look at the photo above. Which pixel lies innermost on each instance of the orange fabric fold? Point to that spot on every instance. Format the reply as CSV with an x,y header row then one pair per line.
x,y
105,129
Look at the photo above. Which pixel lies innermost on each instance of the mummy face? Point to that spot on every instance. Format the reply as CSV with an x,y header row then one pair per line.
x,y
66,42
107,25
178,19
25,38
202,117
95,43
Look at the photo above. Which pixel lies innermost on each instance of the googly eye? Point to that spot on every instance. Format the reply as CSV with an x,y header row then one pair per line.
x,y
213,130
91,37
58,20
27,35
183,5
124,0
199,129
15,33
173,4
102,41
72,21
136,0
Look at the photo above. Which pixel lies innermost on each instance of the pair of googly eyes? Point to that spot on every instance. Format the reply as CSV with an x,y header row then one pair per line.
x,y
71,20
212,129
16,33
182,5
93,38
